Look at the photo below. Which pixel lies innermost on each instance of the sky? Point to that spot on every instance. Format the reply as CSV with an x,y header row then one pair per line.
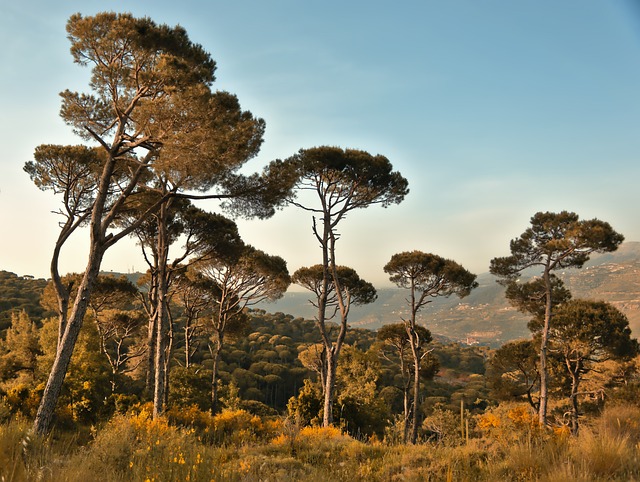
x,y
493,110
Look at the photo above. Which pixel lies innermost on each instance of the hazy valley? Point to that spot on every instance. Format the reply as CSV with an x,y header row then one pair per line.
x,y
485,316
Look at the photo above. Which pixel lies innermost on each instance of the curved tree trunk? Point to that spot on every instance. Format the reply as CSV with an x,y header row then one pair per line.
x,y
67,342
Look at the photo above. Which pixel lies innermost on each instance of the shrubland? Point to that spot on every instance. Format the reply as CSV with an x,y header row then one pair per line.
x,y
268,427
504,443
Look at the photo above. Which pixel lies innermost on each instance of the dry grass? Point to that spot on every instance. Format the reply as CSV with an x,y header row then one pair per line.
x,y
134,447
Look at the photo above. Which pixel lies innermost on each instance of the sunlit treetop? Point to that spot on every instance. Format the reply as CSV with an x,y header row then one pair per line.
x,y
557,240
345,179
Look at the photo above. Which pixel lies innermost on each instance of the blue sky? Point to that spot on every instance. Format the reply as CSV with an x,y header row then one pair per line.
x,y
493,110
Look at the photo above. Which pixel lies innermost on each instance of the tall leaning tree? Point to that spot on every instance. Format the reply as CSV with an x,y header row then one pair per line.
x,y
140,71
341,181
553,241
426,276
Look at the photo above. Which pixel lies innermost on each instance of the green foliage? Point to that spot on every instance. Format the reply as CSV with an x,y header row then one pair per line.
x,y
18,352
357,290
513,371
358,409
190,386
86,385
349,174
530,297
429,275
20,293
306,407
556,240
592,331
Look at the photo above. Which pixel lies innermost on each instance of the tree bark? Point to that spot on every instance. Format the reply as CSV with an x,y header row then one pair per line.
x,y
151,305
327,416
575,383
215,353
46,409
187,346
415,350
544,340
151,356
162,316
406,383
414,343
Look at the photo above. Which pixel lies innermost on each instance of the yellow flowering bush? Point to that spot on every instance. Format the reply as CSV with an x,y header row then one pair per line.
x,y
236,427
510,423
312,436
137,447
191,417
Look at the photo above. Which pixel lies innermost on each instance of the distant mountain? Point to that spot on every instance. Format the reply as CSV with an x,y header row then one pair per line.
x,y
485,316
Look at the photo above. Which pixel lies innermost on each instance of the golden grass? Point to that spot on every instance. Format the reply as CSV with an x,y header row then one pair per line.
x,y
135,448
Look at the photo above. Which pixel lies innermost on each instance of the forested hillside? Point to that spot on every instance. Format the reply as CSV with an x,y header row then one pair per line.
x,y
484,317
19,293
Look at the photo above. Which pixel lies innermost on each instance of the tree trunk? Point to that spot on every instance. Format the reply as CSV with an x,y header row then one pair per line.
x,y
187,346
215,353
406,383
162,316
544,340
167,362
159,368
575,382
327,417
114,373
416,393
46,409
67,342
152,312
151,356
62,294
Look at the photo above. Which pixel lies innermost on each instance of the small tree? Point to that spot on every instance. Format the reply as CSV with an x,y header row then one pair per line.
x,y
192,294
313,358
18,352
426,276
395,337
239,282
554,241
358,407
584,334
119,332
513,371
331,299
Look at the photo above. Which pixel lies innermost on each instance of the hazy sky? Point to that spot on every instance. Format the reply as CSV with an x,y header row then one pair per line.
x,y
493,110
